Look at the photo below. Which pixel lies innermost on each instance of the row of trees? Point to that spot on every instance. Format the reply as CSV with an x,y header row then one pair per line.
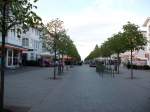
x,y
130,39
55,38
18,15
58,42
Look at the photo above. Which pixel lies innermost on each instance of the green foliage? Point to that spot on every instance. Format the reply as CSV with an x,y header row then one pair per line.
x,y
71,50
94,53
18,13
133,37
130,38
52,33
117,43
56,38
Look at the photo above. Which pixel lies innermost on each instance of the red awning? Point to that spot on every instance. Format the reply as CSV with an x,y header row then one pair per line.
x,y
15,47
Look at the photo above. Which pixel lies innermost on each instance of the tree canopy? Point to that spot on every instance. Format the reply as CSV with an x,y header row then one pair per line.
x,y
18,13
55,36
130,38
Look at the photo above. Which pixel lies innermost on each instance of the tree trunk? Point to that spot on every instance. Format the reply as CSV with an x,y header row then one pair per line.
x,y
54,59
67,63
62,62
59,65
4,32
2,72
118,63
110,63
131,65
105,64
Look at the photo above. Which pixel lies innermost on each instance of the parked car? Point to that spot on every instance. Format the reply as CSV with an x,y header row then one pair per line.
x,y
92,64
80,63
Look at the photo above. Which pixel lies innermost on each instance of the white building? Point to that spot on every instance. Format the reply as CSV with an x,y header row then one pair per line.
x,y
26,48
141,57
13,48
32,41
146,25
147,32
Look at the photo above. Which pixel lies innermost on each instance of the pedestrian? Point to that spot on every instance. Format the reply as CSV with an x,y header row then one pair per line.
x,y
20,62
115,66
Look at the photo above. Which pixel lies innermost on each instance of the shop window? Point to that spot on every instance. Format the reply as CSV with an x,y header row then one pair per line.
x,y
15,58
9,57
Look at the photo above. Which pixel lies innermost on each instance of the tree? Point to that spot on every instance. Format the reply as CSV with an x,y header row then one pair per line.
x,y
117,45
130,39
56,39
94,54
106,49
71,50
51,37
134,40
14,13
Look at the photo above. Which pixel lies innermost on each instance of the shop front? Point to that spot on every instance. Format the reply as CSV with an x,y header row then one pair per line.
x,y
13,56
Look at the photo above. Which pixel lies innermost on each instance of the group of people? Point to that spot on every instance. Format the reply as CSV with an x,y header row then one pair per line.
x,y
103,65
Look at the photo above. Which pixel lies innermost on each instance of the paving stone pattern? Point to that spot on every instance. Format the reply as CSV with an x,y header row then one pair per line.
x,y
80,89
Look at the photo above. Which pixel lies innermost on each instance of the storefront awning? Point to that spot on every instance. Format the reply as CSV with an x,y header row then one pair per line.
x,y
16,47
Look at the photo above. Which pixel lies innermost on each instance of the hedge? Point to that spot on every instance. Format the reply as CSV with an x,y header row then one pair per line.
x,y
140,67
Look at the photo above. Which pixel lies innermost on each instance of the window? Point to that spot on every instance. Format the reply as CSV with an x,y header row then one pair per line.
x,y
36,44
15,58
12,33
32,56
32,30
25,42
31,43
149,29
9,57
37,32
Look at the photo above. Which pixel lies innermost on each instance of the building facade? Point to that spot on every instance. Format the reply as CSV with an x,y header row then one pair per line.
x,y
13,49
146,33
26,47
32,41
141,57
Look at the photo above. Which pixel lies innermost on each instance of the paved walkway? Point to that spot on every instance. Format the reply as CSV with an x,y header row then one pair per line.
x,y
80,89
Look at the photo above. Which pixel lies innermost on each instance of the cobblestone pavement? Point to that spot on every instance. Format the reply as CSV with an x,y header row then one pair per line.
x,y
80,89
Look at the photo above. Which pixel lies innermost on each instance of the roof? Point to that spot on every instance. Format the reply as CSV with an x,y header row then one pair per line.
x,y
146,21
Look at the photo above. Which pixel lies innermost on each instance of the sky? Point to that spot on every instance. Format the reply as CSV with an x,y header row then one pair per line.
x,y
91,22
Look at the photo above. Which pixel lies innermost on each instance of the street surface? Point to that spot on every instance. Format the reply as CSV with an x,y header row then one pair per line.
x,y
80,89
